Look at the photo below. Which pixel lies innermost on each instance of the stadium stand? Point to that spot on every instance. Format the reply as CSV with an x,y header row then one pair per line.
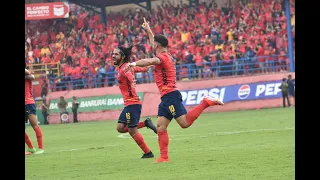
x,y
206,40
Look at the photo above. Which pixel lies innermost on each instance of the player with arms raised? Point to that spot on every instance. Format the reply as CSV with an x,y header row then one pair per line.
x,y
171,100
30,114
130,116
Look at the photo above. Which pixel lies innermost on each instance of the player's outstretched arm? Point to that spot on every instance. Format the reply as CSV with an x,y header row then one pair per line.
x,y
143,63
141,69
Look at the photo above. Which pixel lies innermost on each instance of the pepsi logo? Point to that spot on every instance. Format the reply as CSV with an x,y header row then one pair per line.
x,y
244,91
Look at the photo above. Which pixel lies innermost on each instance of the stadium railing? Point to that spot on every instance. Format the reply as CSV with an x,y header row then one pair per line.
x,y
40,69
215,69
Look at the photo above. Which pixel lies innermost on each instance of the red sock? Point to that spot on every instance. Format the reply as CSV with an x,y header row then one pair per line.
x,y
140,125
140,141
163,141
28,141
39,137
194,113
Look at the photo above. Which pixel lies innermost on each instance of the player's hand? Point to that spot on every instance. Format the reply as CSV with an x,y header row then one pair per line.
x,y
148,68
145,25
129,66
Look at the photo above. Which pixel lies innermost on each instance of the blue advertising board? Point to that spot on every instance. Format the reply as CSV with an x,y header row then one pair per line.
x,y
239,92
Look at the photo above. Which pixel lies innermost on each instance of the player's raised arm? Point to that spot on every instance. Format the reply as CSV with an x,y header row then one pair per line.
x,y
160,46
146,27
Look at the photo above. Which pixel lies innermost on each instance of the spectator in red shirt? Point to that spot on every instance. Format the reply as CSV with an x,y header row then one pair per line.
x,y
84,60
76,79
45,60
37,51
85,77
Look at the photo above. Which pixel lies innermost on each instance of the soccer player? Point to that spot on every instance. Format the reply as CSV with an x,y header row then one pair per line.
x,y
130,116
171,100
30,114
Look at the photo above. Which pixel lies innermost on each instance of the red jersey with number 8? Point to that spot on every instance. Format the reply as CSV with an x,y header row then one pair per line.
x,y
165,74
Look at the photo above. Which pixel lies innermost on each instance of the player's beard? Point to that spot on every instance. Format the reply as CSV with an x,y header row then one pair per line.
x,y
116,62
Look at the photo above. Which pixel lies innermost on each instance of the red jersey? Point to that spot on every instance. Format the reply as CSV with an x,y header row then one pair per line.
x,y
165,74
126,84
28,96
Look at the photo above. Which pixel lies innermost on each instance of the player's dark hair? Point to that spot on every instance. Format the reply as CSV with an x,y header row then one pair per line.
x,y
161,39
126,52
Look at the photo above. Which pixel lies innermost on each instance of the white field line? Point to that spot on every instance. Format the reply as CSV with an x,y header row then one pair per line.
x,y
126,135
214,134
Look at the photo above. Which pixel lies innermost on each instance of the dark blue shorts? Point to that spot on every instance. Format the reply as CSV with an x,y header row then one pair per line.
x,y
171,105
130,115
29,110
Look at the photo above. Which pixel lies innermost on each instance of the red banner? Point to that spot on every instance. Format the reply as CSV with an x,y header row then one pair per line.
x,y
47,10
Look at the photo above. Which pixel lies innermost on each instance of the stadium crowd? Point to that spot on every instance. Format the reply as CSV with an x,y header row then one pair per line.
x,y
206,40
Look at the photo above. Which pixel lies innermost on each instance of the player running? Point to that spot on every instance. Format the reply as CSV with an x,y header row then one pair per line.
x,y
171,100
130,116
30,114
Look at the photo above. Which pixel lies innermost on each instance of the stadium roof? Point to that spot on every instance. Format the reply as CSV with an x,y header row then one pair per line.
x,y
99,3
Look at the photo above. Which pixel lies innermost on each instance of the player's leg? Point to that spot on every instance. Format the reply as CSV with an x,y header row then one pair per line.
x,y
34,123
122,123
30,149
138,138
184,119
28,142
149,124
164,119
133,113
123,128
163,137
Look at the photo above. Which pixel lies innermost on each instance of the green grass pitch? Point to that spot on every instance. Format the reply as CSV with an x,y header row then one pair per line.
x,y
246,145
